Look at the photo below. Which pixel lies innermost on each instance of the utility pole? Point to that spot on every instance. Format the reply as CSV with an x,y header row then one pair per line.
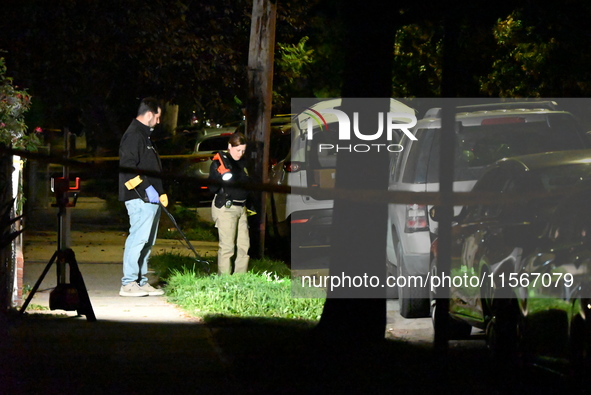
x,y
259,104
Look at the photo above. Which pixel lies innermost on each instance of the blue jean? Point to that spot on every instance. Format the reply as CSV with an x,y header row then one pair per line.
x,y
143,229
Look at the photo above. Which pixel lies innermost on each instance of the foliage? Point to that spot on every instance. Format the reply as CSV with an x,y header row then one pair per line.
x,y
243,295
293,58
293,62
539,53
13,105
417,64
102,55
166,264
267,265
522,56
265,291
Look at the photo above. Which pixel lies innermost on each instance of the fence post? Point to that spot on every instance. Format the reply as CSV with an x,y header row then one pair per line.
x,y
7,256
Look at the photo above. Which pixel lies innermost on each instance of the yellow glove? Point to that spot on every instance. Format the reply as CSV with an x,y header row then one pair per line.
x,y
134,182
250,212
164,200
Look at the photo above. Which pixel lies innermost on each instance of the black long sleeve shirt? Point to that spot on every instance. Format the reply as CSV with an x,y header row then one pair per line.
x,y
239,175
137,152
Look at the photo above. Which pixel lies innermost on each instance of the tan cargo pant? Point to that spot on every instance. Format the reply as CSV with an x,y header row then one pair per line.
x,y
232,227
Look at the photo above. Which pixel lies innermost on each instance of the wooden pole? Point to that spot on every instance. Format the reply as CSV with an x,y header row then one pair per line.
x,y
258,110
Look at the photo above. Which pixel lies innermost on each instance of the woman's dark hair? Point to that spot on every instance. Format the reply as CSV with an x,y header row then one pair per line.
x,y
236,139
148,104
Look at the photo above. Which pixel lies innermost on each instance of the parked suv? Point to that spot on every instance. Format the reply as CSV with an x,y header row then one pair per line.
x,y
484,134
306,219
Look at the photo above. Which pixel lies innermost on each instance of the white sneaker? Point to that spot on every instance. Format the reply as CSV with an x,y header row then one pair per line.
x,y
151,290
132,289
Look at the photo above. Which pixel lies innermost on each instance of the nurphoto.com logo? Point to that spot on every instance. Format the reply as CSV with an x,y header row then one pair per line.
x,y
393,124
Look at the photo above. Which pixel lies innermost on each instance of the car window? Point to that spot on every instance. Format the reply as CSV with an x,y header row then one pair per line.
x,y
321,158
462,169
484,144
418,159
321,150
481,145
540,181
218,143
393,167
497,179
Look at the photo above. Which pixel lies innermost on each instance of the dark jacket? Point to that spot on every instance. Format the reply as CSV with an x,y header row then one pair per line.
x,y
227,190
137,152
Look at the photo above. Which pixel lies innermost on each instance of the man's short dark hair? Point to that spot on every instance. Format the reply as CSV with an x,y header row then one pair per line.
x,y
236,139
148,104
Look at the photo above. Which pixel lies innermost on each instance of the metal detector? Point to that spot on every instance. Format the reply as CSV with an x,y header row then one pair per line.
x,y
189,245
132,184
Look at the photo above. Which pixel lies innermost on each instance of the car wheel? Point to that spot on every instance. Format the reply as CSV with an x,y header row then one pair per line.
x,y
414,301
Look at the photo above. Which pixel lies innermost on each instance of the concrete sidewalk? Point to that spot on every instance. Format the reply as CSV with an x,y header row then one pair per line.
x,y
102,282
99,255
136,345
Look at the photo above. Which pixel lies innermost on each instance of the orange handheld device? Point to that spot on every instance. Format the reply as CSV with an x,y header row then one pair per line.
x,y
222,169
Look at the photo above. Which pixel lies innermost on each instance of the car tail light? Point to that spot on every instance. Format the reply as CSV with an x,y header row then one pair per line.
x,y
416,218
292,167
299,221
502,120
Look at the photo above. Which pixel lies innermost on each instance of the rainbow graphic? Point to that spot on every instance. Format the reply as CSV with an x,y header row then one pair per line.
x,y
315,115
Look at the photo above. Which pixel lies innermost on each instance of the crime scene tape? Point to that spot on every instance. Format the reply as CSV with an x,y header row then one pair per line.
x,y
354,195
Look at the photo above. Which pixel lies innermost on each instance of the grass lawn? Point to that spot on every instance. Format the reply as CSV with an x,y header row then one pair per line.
x,y
264,291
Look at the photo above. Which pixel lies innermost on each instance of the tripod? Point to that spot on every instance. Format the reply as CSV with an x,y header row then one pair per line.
x,y
65,296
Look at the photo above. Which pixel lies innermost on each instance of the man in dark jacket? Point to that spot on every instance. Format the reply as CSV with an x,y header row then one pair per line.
x,y
228,208
141,190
